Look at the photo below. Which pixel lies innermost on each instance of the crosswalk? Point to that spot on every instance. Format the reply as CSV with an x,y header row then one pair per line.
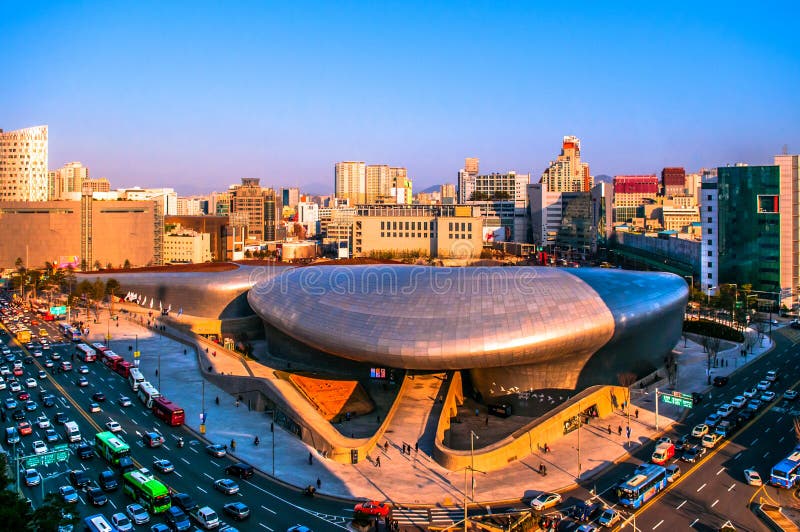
x,y
425,517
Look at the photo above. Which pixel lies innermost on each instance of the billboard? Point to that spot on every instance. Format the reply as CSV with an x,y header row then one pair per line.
x,y
66,261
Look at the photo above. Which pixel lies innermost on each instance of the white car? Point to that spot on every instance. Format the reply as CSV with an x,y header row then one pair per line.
x,y
43,422
750,393
752,477
2,383
772,375
763,385
739,401
768,396
113,426
137,513
16,387
700,430
724,410
545,500
39,447
31,383
121,522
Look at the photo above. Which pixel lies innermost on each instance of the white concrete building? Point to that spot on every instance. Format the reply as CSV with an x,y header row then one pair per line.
x,y
23,165
187,247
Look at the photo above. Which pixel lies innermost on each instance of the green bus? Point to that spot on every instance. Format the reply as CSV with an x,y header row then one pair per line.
x,y
143,488
111,447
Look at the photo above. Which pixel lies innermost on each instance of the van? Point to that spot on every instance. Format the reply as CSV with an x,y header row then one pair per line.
x,y
72,432
711,439
663,452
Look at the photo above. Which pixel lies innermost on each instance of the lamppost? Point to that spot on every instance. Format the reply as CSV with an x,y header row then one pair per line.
x,y
708,294
472,438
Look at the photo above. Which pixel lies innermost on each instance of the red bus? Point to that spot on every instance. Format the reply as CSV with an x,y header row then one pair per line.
x,y
100,348
168,412
48,317
123,367
111,361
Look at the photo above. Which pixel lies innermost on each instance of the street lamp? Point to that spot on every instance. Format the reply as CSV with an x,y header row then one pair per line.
x,y
472,438
708,293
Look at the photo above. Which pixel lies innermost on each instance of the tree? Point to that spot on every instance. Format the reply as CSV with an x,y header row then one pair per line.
x,y
15,513
127,264
627,379
750,340
55,512
761,328
671,366
711,344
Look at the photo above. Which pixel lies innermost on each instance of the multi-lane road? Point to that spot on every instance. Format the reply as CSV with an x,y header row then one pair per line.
x,y
714,490
273,506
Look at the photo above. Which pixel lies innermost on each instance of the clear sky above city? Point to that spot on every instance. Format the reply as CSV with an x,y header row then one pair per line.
x,y
196,95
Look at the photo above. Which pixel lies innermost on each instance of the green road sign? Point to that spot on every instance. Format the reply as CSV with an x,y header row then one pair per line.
x,y
678,399
59,453
32,461
58,311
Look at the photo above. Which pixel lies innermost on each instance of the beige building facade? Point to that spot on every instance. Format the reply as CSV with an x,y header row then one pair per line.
x,y
23,165
69,178
453,231
96,232
568,173
187,247
350,181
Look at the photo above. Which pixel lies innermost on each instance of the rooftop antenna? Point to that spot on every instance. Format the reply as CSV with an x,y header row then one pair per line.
x,y
785,150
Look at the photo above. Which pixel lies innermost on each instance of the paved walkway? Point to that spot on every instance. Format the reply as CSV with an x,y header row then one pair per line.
x,y
402,478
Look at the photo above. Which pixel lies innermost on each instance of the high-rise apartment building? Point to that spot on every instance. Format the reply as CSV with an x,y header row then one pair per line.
x,y
567,173
23,164
466,179
68,178
447,193
673,180
378,182
96,185
631,192
790,219
190,206
350,181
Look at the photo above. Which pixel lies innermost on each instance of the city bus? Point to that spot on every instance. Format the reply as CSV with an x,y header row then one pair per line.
x,y
124,367
98,523
148,392
135,378
111,360
100,348
143,488
66,330
75,334
85,353
111,447
784,474
643,486
168,412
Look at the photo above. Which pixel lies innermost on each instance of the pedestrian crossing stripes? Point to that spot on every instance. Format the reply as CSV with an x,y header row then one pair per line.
x,y
427,517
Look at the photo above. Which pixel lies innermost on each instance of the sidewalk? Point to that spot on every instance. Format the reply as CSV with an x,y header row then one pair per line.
x,y
411,479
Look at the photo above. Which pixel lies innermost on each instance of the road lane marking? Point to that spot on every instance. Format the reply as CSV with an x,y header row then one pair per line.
x,y
720,471
782,438
193,450
754,442
185,460
766,454
766,430
201,489
658,524
779,419
694,522
737,456
732,486
269,509
681,504
265,526
176,473
209,476
701,487
297,507
112,504
714,503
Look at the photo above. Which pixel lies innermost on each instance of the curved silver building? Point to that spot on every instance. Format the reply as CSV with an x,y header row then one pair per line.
x,y
520,328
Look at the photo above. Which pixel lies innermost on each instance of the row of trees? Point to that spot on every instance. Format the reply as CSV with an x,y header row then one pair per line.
x,y
16,513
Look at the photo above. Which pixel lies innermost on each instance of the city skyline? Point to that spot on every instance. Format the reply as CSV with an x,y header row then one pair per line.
x,y
276,94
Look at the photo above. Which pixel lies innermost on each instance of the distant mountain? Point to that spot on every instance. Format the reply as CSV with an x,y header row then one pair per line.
x,y
317,189
433,188
603,178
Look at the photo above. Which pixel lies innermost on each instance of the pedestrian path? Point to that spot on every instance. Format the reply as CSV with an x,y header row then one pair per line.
x,y
409,479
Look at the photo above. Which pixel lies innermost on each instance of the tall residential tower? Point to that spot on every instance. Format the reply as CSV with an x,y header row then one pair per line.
x,y
567,173
23,164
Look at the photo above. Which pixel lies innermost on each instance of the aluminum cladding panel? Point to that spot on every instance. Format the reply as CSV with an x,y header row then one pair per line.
x,y
418,317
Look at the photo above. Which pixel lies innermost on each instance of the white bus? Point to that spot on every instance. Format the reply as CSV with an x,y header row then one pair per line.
x,y
98,523
135,378
147,392
85,353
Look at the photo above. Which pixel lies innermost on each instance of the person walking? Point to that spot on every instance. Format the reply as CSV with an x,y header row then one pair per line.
x,y
636,413
609,429
310,459
619,430
378,461
319,483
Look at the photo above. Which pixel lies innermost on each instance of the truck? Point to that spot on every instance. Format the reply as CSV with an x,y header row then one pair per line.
x,y
664,451
72,432
205,517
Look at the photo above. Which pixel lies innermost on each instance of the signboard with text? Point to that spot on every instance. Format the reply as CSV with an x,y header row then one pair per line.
x,y
678,399
58,311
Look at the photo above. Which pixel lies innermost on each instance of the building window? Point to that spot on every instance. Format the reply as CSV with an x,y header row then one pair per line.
x,y
709,254
381,226
469,226
708,197
451,226
709,276
710,231
710,264
709,208
710,243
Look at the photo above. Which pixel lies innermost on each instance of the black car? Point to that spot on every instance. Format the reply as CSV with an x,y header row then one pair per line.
x,y
746,414
107,480
126,464
18,415
84,451
96,496
99,397
79,478
240,470
684,442
237,510
28,360
184,502
697,398
693,454
60,418
720,381
177,519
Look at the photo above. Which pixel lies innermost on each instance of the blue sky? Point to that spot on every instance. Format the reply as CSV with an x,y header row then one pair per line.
x,y
196,95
